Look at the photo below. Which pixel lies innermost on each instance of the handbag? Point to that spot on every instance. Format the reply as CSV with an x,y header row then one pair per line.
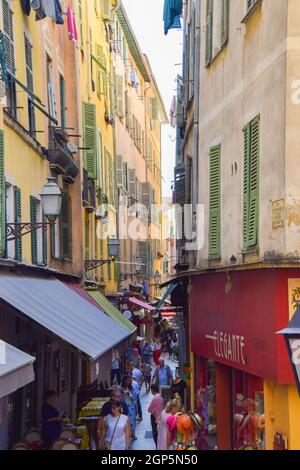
x,y
107,445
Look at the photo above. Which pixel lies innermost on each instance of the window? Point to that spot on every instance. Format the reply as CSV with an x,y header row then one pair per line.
x,y
251,184
51,89
66,227
217,26
18,220
38,237
30,86
2,197
8,32
119,95
214,235
63,103
90,139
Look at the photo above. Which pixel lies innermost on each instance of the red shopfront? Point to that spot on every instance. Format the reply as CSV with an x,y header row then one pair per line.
x,y
234,319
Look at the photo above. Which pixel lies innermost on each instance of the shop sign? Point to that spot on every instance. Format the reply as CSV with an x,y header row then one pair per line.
x,y
278,214
229,346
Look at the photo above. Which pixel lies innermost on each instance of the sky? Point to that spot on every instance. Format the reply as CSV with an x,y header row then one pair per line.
x,y
165,55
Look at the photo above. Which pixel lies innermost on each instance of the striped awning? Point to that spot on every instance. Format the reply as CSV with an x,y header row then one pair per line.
x,y
167,293
141,304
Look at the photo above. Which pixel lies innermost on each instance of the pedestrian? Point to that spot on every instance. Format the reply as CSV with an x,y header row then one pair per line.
x,y
146,352
152,347
116,396
165,429
115,367
116,432
174,347
147,372
130,391
155,408
162,375
157,351
51,419
138,377
178,386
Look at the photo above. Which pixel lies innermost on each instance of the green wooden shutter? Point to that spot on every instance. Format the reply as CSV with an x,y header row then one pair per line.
x,y
33,219
254,184
45,245
119,170
251,184
18,220
90,141
2,197
246,183
8,31
63,104
116,272
224,22
125,176
215,202
119,95
209,32
66,233
30,86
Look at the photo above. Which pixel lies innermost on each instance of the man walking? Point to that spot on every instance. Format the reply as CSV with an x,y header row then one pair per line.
x,y
162,375
155,408
138,377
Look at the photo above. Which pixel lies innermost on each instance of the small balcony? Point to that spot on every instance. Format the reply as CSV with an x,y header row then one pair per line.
x,y
60,155
88,193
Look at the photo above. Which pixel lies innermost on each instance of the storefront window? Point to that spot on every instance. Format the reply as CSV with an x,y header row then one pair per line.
x,y
248,408
206,403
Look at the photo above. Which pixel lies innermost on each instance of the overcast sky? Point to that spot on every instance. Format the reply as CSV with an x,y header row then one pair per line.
x,y
164,53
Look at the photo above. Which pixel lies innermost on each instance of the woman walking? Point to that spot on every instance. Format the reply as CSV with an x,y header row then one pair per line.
x,y
116,435
166,428
130,395
157,351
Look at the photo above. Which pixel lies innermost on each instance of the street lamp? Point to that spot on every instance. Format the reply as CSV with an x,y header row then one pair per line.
x,y
51,203
113,253
292,339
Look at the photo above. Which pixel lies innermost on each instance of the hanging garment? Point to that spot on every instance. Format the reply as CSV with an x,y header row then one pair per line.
x,y
36,5
172,12
58,12
173,112
26,7
72,29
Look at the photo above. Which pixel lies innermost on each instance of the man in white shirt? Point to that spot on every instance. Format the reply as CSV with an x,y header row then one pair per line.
x,y
138,377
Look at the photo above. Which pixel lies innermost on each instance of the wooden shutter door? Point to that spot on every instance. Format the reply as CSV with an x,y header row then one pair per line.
x,y
8,36
33,219
214,202
119,170
90,141
66,233
209,32
246,184
30,86
63,104
2,197
224,22
18,219
254,184
119,92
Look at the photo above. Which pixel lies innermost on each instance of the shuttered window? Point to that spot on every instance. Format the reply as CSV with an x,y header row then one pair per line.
x,y
119,95
66,227
251,184
119,170
30,85
89,139
18,220
33,220
209,32
105,10
132,183
144,255
63,102
8,32
224,22
2,197
214,235
45,245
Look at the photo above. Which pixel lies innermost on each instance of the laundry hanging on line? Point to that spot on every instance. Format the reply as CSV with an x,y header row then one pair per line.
x,y
72,28
47,8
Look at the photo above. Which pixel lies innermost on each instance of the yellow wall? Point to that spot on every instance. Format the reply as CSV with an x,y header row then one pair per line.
x,y
282,411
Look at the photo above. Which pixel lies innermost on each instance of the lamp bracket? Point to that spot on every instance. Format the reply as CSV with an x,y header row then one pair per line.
x,y
18,230
91,264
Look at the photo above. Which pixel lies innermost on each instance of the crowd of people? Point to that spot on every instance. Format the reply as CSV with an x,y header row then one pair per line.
x,y
117,423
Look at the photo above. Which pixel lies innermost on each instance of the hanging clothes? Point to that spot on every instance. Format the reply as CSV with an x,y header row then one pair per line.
x,y
172,13
50,8
26,7
71,22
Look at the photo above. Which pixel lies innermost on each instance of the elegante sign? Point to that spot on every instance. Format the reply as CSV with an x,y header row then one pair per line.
x,y
228,346
237,326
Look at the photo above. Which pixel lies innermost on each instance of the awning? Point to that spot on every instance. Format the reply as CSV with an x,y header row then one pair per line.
x,y
168,314
111,310
167,293
141,304
16,369
63,312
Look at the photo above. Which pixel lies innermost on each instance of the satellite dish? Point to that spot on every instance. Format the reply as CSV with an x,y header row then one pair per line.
x,y
127,314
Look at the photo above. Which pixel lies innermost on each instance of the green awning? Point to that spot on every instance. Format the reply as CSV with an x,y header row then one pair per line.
x,y
168,292
111,310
